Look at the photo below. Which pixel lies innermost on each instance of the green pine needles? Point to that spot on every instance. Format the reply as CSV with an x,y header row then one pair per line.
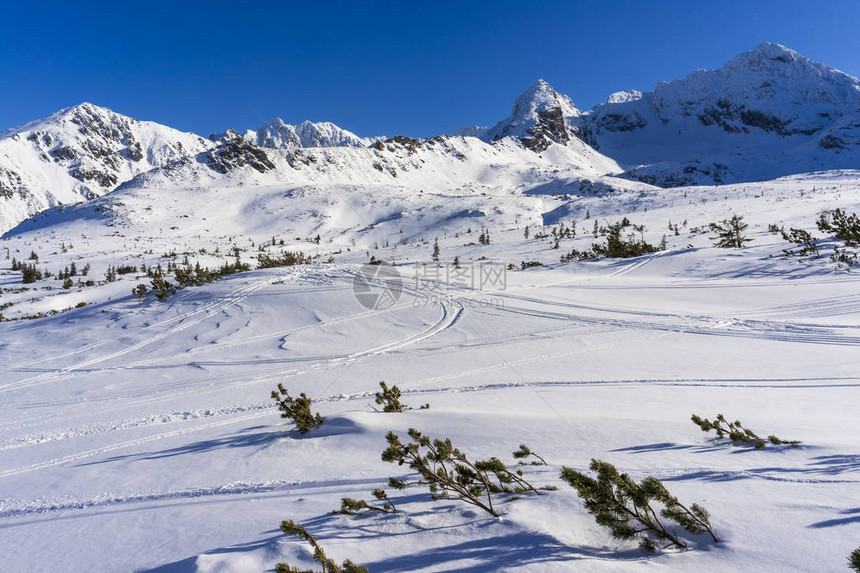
x,y
297,409
854,560
328,565
525,452
448,472
389,399
627,508
730,233
349,506
736,432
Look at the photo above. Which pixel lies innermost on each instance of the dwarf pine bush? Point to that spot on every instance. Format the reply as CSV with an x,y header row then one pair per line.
x,y
525,452
349,506
285,259
297,409
730,233
842,225
805,241
736,432
389,399
448,471
630,510
290,527
854,560
617,246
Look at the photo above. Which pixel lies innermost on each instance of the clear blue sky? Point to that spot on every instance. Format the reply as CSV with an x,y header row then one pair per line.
x,y
379,67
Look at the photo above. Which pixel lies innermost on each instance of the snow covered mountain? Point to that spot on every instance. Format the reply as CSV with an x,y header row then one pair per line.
x,y
80,153
85,151
541,117
768,112
280,135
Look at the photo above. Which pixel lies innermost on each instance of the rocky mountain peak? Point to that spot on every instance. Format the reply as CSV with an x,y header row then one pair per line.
x,y
540,117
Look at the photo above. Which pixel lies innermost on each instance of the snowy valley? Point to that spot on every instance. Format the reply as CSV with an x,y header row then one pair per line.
x,y
138,430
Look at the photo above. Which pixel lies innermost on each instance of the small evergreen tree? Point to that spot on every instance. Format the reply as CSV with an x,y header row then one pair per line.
x,y
30,273
139,291
389,399
854,560
730,233
436,249
160,285
297,409
290,527
625,507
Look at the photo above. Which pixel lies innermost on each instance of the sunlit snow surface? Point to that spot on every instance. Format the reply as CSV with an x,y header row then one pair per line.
x,y
140,436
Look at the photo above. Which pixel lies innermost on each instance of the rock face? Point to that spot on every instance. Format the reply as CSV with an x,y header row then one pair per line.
x,y
233,151
80,153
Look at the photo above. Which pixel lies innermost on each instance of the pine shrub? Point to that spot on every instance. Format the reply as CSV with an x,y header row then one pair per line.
x,y
736,432
842,225
285,259
803,239
617,246
525,452
630,510
389,399
297,409
730,233
349,506
854,560
290,527
447,471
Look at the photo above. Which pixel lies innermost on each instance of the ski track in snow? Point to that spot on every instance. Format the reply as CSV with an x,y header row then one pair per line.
x,y
182,321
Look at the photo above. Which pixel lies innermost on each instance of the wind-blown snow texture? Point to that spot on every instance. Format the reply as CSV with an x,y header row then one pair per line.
x,y
139,435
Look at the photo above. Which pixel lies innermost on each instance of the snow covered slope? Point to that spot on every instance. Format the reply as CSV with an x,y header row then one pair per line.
x,y
81,153
147,425
766,113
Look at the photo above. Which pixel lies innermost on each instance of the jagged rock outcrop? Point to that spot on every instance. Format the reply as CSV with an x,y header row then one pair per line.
x,y
234,151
